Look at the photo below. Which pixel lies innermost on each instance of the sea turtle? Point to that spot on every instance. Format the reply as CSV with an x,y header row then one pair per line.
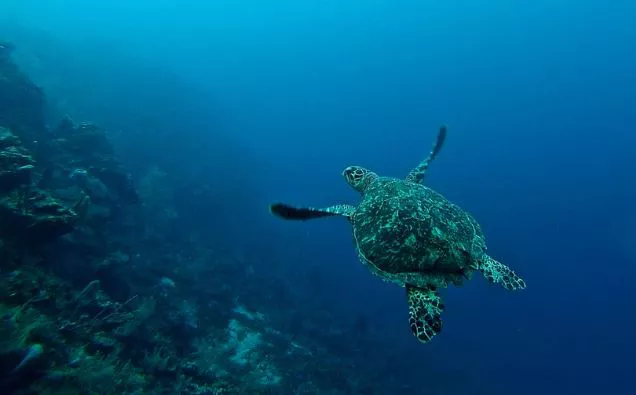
x,y
412,236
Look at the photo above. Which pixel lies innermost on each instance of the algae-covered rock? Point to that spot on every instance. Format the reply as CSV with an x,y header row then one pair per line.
x,y
33,215
86,146
25,210
84,139
16,162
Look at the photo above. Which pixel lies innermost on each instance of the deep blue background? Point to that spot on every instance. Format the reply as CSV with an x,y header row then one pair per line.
x,y
540,99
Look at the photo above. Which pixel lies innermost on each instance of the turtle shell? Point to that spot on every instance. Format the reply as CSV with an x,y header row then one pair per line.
x,y
407,233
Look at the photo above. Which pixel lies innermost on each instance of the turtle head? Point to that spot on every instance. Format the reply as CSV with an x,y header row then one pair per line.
x,y
358,177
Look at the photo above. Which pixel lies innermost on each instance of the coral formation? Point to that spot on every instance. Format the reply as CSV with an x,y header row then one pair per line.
x,y
27,213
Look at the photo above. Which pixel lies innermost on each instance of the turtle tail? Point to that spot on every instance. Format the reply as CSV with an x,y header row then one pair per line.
x,y
498,273
288,212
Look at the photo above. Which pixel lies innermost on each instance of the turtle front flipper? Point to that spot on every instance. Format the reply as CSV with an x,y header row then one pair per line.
x,y
417,174
498,273
286,211
425,312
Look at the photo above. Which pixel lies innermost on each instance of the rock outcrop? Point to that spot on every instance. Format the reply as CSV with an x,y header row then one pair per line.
x,y
27,213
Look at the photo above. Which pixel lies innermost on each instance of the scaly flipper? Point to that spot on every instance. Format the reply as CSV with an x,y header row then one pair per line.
x,y
498,273
417,174
425,311
286,211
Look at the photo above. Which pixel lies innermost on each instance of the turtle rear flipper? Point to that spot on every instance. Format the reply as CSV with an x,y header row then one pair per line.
x,y
425,312
286,211
417,174
498,273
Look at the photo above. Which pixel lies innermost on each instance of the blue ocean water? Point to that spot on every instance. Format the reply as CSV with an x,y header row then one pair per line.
x,y
540,101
